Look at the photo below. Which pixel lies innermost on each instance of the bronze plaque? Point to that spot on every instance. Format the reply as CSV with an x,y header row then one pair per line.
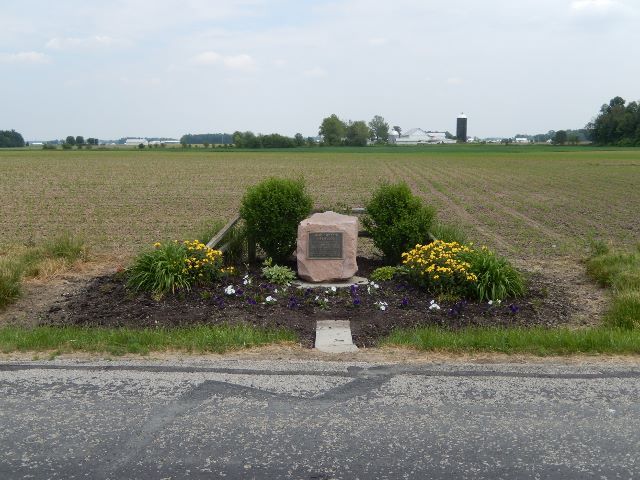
x,y
325,245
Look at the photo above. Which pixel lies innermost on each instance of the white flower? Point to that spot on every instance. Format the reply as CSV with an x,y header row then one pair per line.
x,y
434,305
230,290
270,299
490,302
375,285
498,302
275,290
333,289
382,305
246,280
317,298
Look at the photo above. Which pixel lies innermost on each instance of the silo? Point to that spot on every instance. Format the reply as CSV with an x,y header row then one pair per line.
x,y
461,128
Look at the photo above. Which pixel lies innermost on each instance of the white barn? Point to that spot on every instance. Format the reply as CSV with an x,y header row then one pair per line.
x,y
418,136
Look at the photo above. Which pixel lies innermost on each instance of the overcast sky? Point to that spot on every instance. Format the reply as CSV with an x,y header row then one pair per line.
x,y
118,68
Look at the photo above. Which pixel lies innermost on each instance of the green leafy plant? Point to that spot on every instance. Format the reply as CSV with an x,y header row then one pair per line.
x,y
277,274
272,211
496,278
383,274
397,220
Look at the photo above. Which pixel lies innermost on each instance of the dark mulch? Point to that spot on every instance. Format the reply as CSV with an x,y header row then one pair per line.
x,y
106,302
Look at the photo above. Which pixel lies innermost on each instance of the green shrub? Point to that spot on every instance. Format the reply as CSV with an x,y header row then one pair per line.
x,y
272,211
448,233
397,220
625,310
383,274
496,278
277,274
174,266
10,281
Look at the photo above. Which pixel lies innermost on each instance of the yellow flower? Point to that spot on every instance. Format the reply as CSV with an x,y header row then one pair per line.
x,y
157,245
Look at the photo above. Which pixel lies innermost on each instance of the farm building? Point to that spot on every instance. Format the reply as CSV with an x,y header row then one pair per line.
x,y
417,136
136,141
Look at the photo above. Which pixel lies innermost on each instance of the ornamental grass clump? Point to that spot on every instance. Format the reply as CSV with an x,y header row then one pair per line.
x,y
496,278
439,267
173,266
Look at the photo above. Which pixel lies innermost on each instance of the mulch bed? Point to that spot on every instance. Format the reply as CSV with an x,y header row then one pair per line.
x,y
106,302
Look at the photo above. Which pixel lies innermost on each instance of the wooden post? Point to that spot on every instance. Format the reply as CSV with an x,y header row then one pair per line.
x,y
251,249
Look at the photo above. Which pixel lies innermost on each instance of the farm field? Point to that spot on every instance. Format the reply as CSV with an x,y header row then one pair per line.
x,y
526,202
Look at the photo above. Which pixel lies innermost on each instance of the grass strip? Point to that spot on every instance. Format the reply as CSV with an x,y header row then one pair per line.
x,y
619,271
119,341
535,341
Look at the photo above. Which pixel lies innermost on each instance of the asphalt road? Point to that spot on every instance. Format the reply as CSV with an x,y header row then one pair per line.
x,y
317,420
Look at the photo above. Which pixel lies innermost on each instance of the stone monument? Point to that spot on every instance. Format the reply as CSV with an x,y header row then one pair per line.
x,y
327,247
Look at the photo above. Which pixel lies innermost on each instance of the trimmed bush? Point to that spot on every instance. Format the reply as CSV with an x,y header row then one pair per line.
x,y
272,211
496,278
397,220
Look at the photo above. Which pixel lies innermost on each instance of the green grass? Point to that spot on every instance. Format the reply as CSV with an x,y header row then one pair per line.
x,y
10,281
120,341
56,253
619,271
534,341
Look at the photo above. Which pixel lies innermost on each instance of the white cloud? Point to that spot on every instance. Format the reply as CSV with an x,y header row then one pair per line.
x,y
242,62
377,42
315,72
455,81
239,62
206,58
88,43
25,58
601,6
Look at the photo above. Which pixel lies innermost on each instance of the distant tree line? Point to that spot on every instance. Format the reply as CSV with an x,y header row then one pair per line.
x,y
273,140
618,123
207,138
11,138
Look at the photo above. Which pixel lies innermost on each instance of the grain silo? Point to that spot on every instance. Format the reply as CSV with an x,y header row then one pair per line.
x,y
461,128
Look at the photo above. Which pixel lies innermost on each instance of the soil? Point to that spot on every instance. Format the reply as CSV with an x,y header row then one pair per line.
x,y
106,302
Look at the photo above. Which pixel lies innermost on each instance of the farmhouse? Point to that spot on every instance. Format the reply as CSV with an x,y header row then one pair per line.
x,y
417,136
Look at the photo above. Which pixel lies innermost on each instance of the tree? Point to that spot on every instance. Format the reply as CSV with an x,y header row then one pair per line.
x,y
71,140
299,140
573,138
79,140
205,144
560,137
379,129
11,138
616,124
397,129
357,134
333,130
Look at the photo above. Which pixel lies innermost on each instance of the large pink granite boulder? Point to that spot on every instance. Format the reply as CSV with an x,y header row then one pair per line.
x,y
327,247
